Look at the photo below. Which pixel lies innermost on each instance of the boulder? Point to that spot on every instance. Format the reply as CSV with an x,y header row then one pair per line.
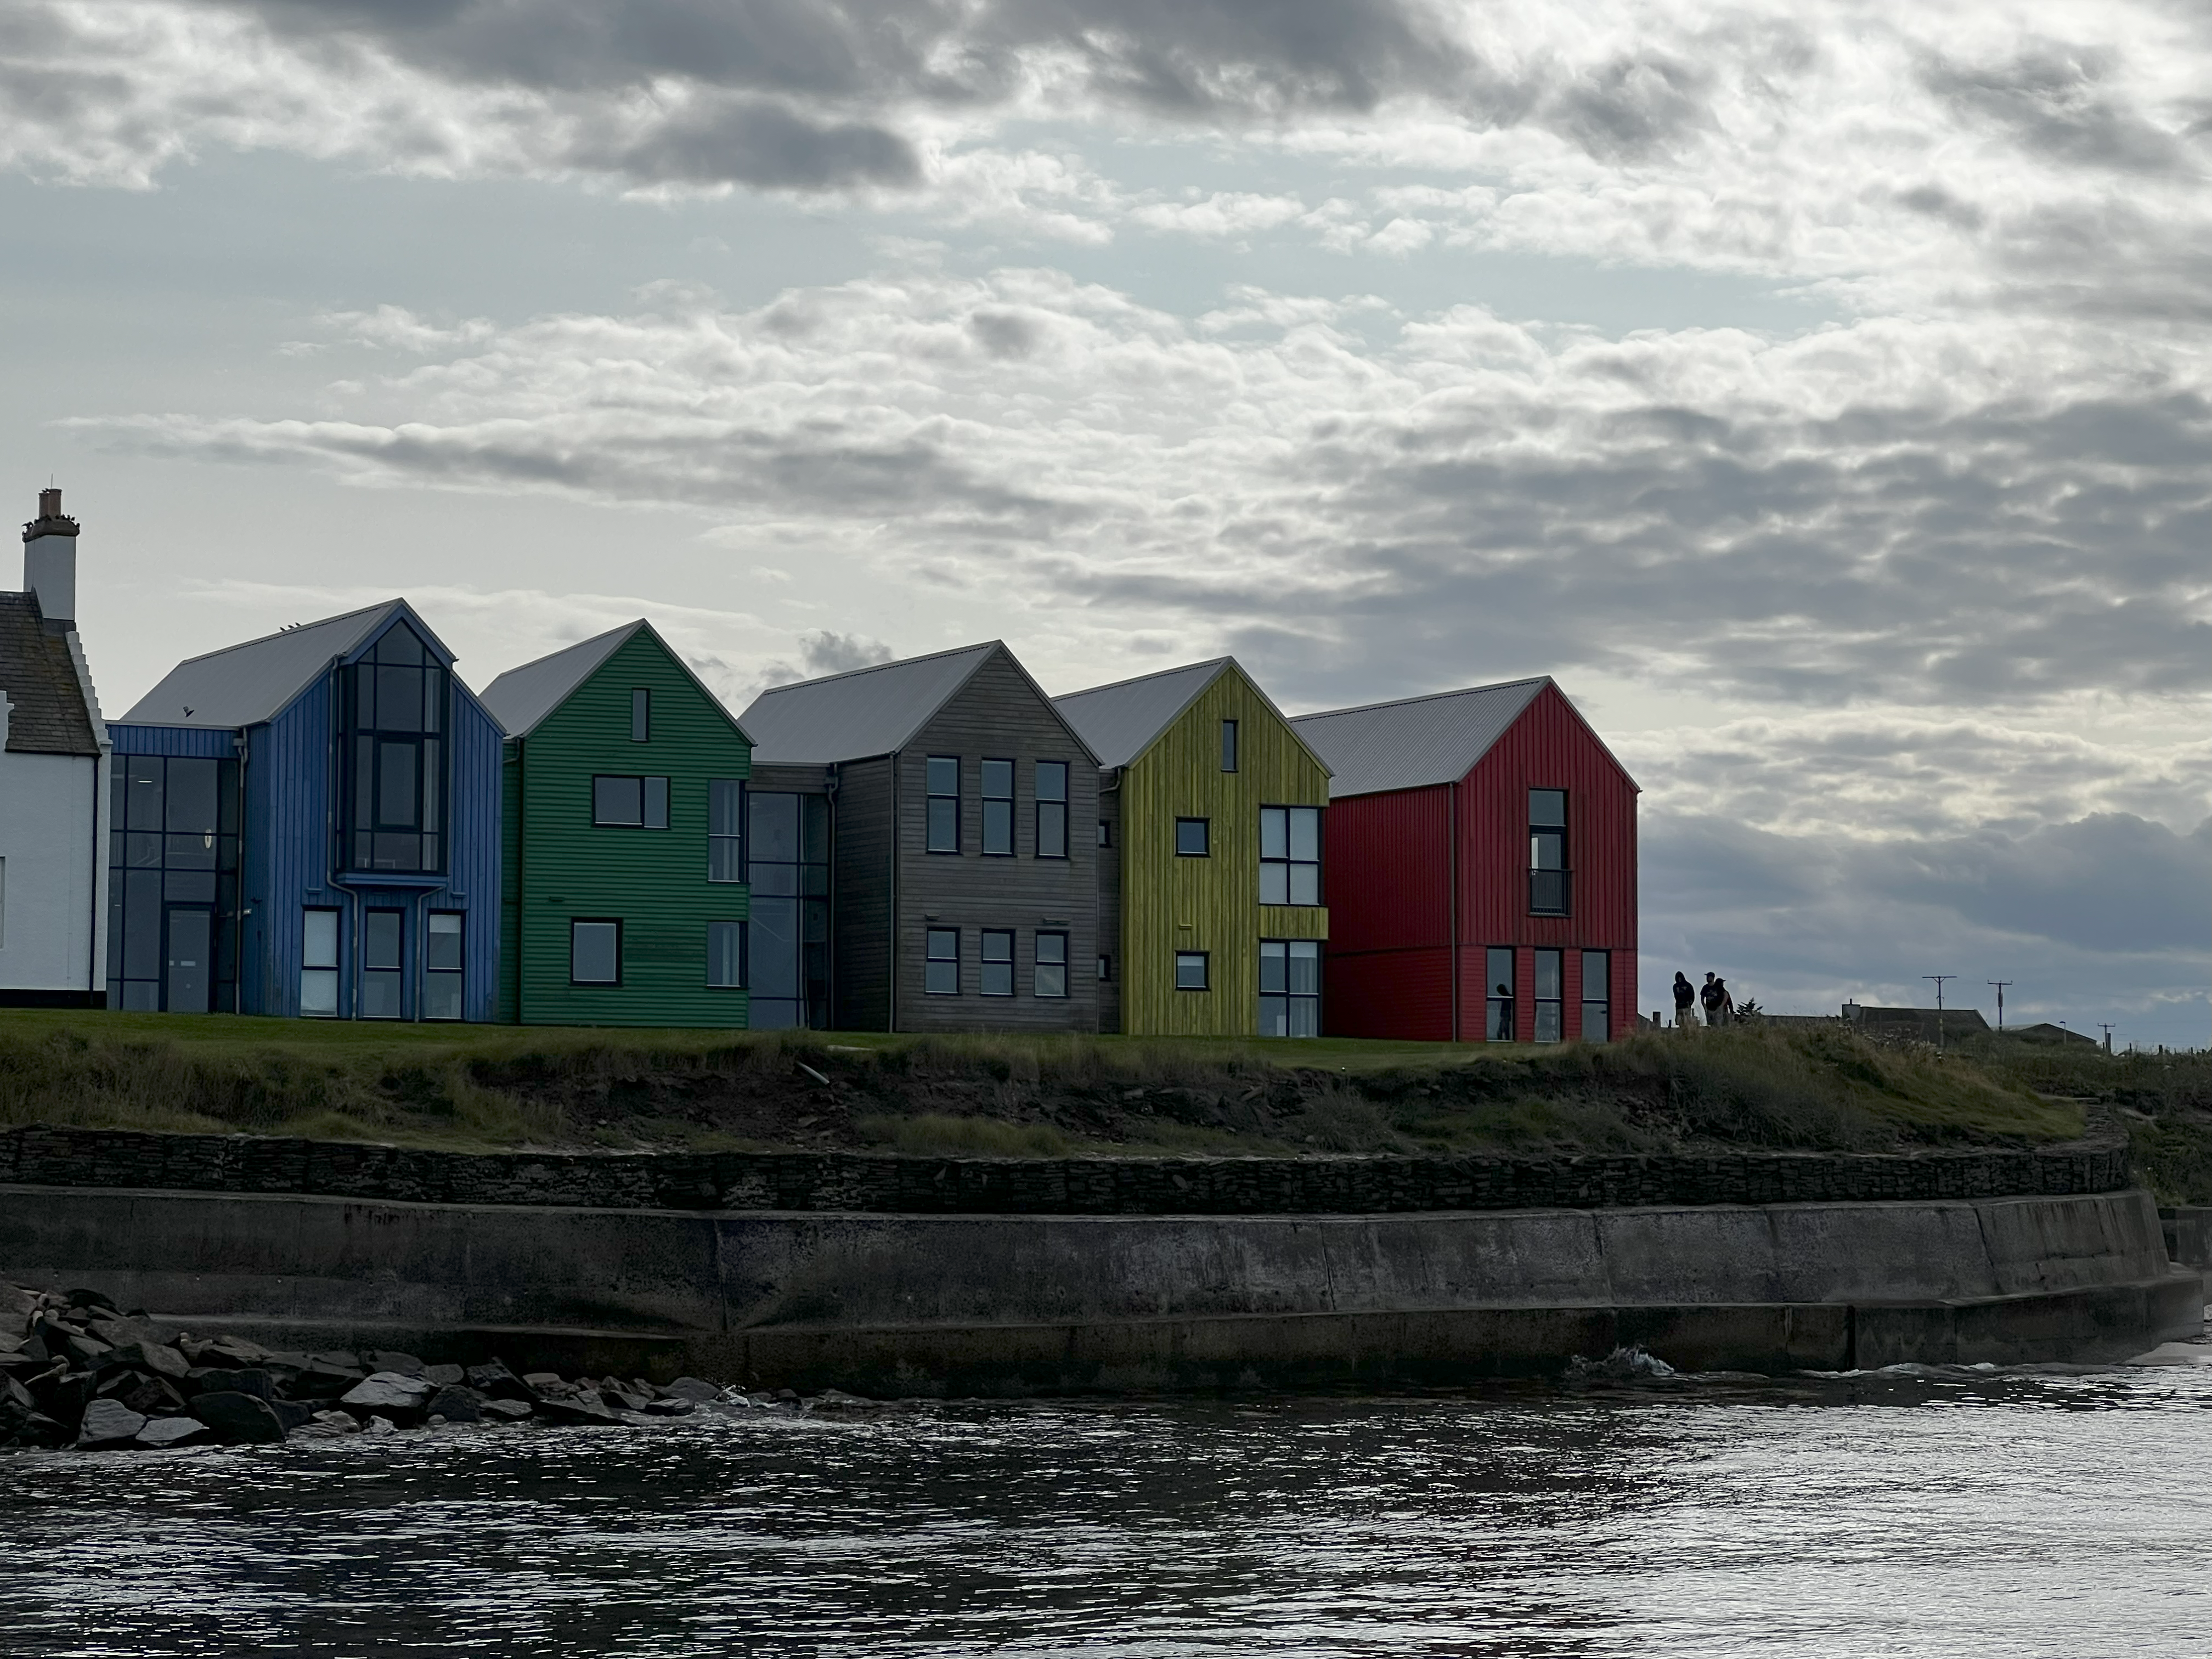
x,y
323,1380
509,1410
837,1400
239,1419
155,1397
390,1394
456,1405
383,1360
495,1382
584,1406
692,1388
158,1358
116,1332
88,1299
674,1406
250,1379
443,1376
327,1425
543,1383
164,1432
109,1422
39,1430
229,1351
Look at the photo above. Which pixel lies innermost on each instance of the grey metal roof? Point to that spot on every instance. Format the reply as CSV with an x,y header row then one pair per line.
x,y
47,710
1118,722
245,684
863,712
1415,742
521,697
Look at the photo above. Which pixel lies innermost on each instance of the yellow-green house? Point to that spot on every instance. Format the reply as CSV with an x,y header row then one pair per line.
x,y
1211,831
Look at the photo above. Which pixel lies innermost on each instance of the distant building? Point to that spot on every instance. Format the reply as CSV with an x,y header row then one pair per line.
x,y
53,794
2046,1032
1915,1022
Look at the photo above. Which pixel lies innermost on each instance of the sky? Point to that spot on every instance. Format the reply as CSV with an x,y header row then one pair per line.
x,y
1818,393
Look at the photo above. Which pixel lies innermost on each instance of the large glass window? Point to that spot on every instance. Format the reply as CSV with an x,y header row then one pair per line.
x,y
1193,837
1290,855
998,808
942,829
941,967
1051,978
595,952
997,955
1191,970
1550,887
395,700
629,803
172,883
1052,809
787,944
726,954
1597,996
383,964
318,964
444,966
1498,1020
1549,990
1290,987
726,817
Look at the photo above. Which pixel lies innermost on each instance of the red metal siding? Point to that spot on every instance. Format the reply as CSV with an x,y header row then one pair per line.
x,y
1388,962
1389,994
1549,747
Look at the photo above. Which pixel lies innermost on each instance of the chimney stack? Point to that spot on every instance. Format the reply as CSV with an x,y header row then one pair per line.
x,y
50,560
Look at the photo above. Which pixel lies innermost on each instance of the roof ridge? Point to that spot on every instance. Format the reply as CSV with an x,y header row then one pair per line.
x,y
879,667
1425,696
293,627
1156,674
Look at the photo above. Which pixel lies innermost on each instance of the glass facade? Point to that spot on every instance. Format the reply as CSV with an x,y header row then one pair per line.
x,y
395,708
173,892
1290,987
787,862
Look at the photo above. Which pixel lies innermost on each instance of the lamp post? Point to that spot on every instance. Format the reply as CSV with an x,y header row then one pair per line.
x,y
1939,979
2000,984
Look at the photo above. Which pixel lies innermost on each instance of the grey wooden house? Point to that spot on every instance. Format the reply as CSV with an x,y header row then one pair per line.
x,y
934,822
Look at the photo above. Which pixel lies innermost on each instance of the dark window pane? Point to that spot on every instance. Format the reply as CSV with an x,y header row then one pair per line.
x,y
1547,850
397,805
998,960
1275,968
398,699
434,700
944,774
997,780
379,995
189,852
400,645
142,996
594,953
192,796
431,778
725,803
318,938
656,803
1274,1016
1228,745
944,825
618,801
1190,971
814,811
189,886
397,852
726,954
141,924
1274,833
641,715
1052,829
1051,976
364,783
1305,968
941,971
145,790
774,828
442,996
1548,807
143,852
363,680
1191,838
724,862
442,947
776,947
380,939
1052,781
1548,974
998,826
775,878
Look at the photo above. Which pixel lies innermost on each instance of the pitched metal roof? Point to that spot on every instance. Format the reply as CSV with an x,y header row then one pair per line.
x,y
245,684
47,714
1415,742
863,712
521,698
1118,722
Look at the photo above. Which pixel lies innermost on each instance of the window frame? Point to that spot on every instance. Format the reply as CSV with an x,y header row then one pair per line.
x,y
930,959
1556,1004
334,968
1603,1002
931,796
366,767
1039,963
1550,887
1228,745
614,922
646,802
986,980
729,842
1205,836
641,713
1290,998
1494,1030
388,975
458,974
1205,961
1003,819
1046,832
745,956
1289,865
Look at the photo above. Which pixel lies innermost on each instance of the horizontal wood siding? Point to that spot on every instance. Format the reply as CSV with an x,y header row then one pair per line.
x,y
654,881
1171,904
861,896
1549,747
1001,715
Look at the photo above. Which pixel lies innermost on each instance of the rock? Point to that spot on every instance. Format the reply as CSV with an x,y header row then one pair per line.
x,y
236,1350
338,1359
584,1406
87,1351
692,1388
109,1422
388,1392
39,1430
251,1379
155,1396
837,1400
293,1413
118,1333
615,1392
15,1299
456,1405
674,1406
443,1376
239,1419
495,1382
161,1432
65,1395
509,1410
540,1383
380,1425
327,1425
158,1358
382,1360
88,1299
323,1380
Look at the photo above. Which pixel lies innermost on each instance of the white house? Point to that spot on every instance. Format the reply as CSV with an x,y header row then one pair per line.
x,y
53,794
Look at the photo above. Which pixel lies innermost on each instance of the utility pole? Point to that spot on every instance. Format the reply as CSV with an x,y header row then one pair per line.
x,y
1939,979
2000,984
2106,1026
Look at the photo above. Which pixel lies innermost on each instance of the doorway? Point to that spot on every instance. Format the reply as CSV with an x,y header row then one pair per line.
x,y
191,968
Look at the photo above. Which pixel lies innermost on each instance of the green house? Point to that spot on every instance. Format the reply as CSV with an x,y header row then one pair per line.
x,y
623,897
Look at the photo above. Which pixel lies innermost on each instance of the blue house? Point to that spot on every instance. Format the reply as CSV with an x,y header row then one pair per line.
x,y
308,824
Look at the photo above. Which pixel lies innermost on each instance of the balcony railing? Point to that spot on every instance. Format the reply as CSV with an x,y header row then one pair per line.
x,y
1550,892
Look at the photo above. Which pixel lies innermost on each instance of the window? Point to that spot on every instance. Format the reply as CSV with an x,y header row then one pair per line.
x,y
641,715
726,955
1190,971
998,808
1290,855
1192,837
318,964
941,971
944,827
1228,745
1550,886
595,952
382,965
442,970
1548,989
1497,1023
726,817
395,702
1105,968
172,876
787,928
1290,987
1052,809
1105,833
998,956
1051,979
629,803
1597,996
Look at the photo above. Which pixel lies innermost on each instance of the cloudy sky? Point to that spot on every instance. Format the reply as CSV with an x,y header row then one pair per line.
x,y
1821,393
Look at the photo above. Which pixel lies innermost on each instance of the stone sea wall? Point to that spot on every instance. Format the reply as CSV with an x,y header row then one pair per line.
x,y
887,1184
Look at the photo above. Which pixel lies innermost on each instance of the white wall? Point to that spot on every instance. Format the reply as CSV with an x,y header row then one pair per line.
x,y
49,835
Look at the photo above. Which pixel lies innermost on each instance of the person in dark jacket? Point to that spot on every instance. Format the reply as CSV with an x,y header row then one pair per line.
x,y
1685,999
1709,993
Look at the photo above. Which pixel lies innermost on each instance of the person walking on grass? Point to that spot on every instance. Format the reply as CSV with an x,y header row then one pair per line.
x,y
1686,1002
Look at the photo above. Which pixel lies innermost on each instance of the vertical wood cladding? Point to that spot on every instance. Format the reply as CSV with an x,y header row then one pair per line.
x,y
861,894
1391,885
998,714
654,881
1170,904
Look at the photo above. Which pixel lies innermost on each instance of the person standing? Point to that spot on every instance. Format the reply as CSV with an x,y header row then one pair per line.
x,y
1686,1002
1728,1002
1709,994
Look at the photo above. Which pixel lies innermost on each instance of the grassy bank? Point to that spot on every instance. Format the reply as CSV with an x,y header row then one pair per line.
x,y
492,1086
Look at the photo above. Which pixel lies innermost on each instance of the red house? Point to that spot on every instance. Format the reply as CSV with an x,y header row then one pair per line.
x,y
1482,868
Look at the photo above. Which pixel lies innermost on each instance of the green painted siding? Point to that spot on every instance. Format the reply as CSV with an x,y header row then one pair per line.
x,y
654,881
1211,904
